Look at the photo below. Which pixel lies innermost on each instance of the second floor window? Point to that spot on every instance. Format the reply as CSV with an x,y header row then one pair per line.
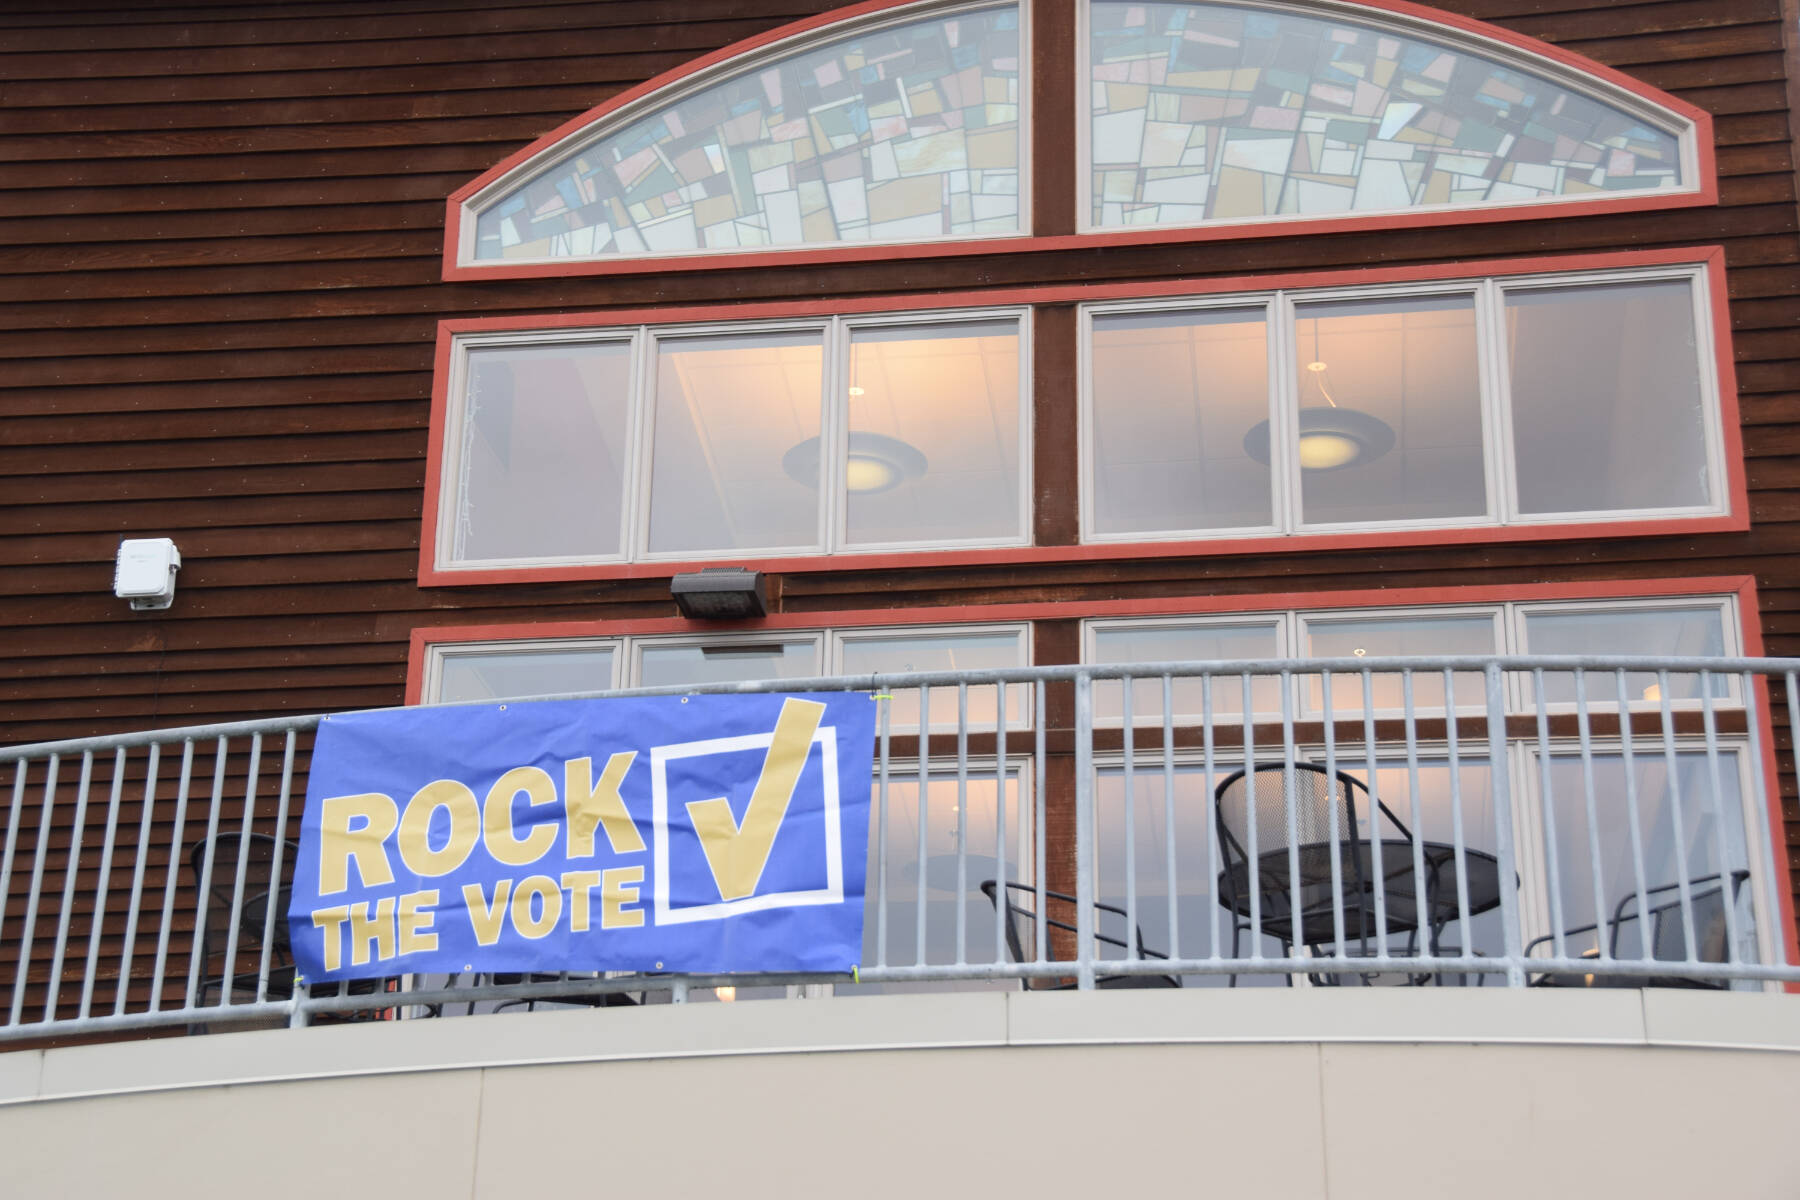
x,y
673,443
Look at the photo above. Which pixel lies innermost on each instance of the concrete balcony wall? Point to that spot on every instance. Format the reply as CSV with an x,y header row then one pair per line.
x,y
1257,1092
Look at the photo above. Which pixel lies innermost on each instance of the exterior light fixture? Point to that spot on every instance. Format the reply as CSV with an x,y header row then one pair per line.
x,y
876,463
1331,436
720,594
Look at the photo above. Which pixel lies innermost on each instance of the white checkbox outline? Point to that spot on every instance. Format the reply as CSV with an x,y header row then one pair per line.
x,y
833,891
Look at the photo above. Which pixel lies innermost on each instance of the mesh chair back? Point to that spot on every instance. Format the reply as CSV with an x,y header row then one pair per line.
x,y
1321,804
1669,936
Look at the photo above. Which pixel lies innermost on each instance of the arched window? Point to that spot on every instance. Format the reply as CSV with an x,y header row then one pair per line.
x,y
895,130
893,123
1247,111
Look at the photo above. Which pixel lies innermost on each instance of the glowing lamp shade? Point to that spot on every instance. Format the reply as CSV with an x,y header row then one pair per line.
x,y
876,463
1330,438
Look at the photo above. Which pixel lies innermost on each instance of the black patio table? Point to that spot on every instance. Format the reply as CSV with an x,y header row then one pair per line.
x,y
1396,882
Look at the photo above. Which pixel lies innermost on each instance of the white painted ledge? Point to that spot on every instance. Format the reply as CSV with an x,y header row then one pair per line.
x,y
1608,1017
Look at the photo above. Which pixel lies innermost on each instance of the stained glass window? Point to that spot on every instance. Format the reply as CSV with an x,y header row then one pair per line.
x,y
1218,112
898,133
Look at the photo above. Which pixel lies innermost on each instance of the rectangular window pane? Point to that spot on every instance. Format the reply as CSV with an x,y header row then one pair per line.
x,y
933,416
945,893
1186,643
1704,844
1382,637
728,409
504,674
1606,398
875,654
544,454
1175,396
1390,411
1662,632
725,662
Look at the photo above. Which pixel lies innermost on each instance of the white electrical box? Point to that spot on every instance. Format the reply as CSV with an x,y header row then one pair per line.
x,y
145,572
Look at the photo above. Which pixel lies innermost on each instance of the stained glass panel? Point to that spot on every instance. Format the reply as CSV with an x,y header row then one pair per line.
x,y
1208,112
902,133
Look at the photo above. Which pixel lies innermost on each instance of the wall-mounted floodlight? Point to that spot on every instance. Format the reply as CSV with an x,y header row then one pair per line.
x,y
145,572
720,594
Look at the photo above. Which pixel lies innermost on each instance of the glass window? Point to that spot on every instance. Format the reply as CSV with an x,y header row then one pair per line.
x,y
904,132
727,408
545,433
726,662
843,435
1188,642
1174,395
498,673
1234,112
1647,630
1391,409
933,416
1389,425
877,653
991,830
1689,824
1609,412
1383,637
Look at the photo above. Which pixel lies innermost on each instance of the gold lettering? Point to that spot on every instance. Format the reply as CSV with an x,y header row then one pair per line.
x,y
579,884
416,918
497,816
415,828
618,887
599,805
485,919
339,844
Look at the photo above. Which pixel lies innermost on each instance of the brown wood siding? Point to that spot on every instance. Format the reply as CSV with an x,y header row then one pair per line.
x,y
219,272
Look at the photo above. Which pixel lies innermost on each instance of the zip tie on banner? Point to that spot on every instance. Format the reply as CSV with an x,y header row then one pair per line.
x,y
881,696
855,974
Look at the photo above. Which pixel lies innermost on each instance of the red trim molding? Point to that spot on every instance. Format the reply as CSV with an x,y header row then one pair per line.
x,y
1704,193
1735,520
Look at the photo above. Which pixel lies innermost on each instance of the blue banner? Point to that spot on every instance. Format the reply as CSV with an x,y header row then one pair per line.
x,y
673,833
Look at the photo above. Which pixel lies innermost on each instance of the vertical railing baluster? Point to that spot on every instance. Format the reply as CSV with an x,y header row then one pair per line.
x,y
1328,715
1503,827
1423,897
962,823
1633,815
1002,897
106,858
1130,743
1290,802
28,931
1553,885
1084,830
203,893
70,873
276,866
135,912
1672,769
1168,765
884,709
1458,840
1377,871
1715,805
172,874
1040,817
21,770
924,811
1602,915
1252,815
1210,819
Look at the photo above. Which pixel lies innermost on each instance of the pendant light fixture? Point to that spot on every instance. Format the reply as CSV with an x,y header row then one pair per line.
x,y
876,462
1330,436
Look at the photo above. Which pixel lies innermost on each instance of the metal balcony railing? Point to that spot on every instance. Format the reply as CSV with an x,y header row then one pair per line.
x,y
1459,821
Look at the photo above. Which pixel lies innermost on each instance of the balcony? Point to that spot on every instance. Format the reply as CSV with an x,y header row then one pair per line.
x,y
1324,886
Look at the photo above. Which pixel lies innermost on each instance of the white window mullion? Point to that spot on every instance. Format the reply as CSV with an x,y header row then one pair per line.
x,y
834,437
637,458
1284,408
1496,406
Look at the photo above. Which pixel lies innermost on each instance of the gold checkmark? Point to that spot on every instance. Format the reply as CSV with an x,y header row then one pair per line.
x,y
737,853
